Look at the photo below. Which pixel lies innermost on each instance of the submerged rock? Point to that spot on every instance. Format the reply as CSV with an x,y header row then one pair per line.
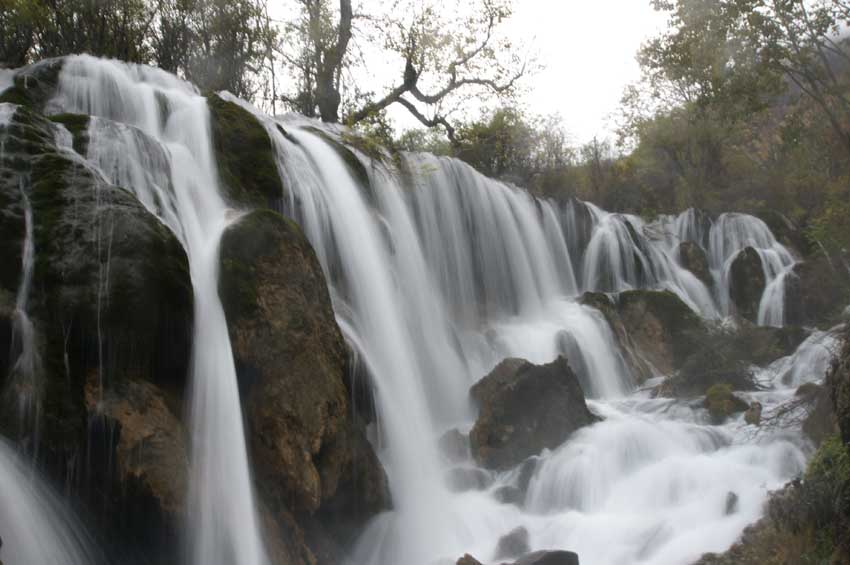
x,y
454,445
747,283
513,544
461,479
310,453
525,408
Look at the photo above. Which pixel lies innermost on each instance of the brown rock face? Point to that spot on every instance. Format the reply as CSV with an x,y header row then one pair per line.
x,y
747,283
309,453
656,331
693,258
143,445
525,408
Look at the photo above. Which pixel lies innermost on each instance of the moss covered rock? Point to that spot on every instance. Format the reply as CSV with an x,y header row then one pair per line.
x,y
34,85
721,402
111,291
310,454
244,154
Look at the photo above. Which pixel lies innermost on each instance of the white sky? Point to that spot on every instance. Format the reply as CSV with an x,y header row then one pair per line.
x,y
588,49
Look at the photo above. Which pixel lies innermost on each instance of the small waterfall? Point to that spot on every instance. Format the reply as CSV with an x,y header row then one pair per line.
x,y
730,235
35,525
25,378
151,135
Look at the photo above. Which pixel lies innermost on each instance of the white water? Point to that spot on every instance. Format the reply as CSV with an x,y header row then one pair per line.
x,y
34,524
151,135
436,281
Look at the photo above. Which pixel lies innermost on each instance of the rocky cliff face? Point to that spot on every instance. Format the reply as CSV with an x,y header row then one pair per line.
x,y
311,457
111,303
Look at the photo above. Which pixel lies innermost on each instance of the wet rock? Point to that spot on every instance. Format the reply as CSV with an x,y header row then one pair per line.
x,y
525,408
468,560
665,330
454,445
509,495
786,231
461,479
816,292
139,460
243,149
111,288
753,414
35,84
819,423
549,558
310,452
838,382
747,283
731,503
722,403
692,257
513,544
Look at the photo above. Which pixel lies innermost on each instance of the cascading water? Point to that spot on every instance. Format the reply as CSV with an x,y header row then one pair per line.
x,y
437,274
35,525
150,134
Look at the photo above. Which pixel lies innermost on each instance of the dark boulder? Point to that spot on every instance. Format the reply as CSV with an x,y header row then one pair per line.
x,y
747,283
525,408
245,156
35,84
513,544
816,293
454,446
310,453
838,383
549,558
692,257
461,479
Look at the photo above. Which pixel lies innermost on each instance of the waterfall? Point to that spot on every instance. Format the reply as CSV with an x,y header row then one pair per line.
x,y
436,274
151,135
35,525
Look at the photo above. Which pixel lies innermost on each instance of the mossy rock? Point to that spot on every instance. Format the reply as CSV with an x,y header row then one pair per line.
x,y
309,451
34,85
721,403
78,125
243,150
816,293
111,291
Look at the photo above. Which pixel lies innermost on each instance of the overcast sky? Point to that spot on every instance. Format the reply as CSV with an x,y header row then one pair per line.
x,y
588,48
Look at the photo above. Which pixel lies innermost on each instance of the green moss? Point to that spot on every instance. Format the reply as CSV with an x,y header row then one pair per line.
x,y
244,154
244,245
78,125
722,403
